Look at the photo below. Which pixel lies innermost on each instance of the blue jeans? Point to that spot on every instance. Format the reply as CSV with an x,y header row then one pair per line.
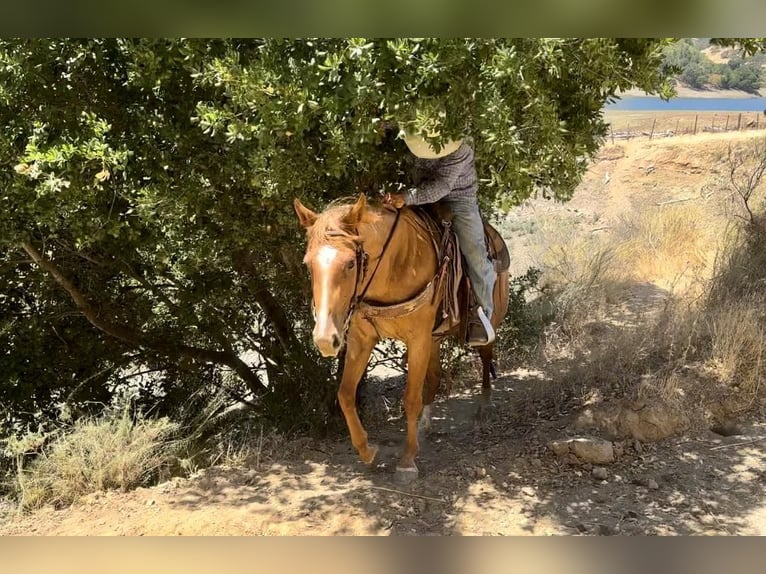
x,y
469,229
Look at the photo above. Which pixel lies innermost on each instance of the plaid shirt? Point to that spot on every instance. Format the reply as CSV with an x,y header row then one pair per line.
x,y
453,175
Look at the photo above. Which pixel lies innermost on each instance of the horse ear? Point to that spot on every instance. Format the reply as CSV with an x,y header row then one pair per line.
x,y
354,215
306,217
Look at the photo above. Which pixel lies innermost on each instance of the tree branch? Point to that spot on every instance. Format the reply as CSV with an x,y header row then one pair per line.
x,y
135,338
271,307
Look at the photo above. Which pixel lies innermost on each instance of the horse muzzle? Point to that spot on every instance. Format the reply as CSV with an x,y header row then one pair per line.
x,y
328,340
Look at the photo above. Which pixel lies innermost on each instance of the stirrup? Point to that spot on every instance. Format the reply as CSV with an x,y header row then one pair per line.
x,y
486,325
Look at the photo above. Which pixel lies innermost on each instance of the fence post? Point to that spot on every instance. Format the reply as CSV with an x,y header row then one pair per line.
x,y
651,133
696,117
739,122
611,131
678,121
726,129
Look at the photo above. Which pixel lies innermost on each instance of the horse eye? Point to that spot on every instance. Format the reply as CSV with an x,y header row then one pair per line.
x,y
350,264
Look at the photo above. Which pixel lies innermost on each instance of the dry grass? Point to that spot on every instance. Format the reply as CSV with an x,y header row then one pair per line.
x,y
696,351
738,344
736,308
580,274
109,453
120,452
703,350
216,433
668,245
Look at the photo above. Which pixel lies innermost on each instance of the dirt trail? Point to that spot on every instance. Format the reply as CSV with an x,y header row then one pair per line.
x,y
499,478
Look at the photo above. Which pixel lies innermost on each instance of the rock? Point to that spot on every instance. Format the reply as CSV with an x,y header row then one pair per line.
x,y
727,428
585,449
593,450
560,447
480,472
647,421
150,502
599,473
649,483
528,491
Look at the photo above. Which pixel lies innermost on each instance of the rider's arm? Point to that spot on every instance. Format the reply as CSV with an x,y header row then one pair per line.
x,y
442,180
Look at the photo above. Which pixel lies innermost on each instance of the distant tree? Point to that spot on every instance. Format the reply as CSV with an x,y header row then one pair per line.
x,y
697,71
692,66
695,76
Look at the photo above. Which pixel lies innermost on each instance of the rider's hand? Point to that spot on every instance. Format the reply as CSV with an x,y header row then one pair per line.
x,y
394,199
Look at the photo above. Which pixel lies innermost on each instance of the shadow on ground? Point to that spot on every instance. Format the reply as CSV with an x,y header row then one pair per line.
x,y
499,478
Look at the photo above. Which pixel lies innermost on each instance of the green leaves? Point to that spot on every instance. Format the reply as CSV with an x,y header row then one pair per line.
x,y
159,173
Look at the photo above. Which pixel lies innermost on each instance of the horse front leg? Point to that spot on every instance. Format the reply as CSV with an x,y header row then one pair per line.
x,y
360,345
418,358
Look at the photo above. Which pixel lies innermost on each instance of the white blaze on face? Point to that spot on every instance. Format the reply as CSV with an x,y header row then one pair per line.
x,y
325,257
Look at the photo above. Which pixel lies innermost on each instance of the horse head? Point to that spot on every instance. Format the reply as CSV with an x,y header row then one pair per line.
x,y
335,260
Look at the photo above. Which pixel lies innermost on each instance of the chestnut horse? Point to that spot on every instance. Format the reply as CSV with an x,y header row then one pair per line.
x,y
362,258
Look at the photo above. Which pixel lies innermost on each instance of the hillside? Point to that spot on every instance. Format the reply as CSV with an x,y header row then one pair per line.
x,y
704,67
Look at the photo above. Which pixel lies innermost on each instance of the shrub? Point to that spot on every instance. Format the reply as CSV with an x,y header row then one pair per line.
x,y
111,452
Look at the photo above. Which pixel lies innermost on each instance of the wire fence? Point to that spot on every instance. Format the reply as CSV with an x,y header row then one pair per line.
x,y
688,124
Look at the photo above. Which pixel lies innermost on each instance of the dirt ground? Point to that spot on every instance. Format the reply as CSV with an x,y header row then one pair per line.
x,y
495,478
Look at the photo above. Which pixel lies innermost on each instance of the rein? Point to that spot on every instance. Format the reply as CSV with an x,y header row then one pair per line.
x,y
359,297
361,266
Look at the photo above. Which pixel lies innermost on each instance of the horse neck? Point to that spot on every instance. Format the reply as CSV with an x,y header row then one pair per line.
x,y
409,261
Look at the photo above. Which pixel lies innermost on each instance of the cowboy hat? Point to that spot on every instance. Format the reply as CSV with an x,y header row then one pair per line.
x,y
422,149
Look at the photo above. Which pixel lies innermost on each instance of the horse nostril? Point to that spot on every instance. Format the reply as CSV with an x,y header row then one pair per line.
x,y
335,342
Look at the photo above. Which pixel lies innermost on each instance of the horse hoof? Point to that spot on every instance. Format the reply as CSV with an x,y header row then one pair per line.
x,y
405,476
372,452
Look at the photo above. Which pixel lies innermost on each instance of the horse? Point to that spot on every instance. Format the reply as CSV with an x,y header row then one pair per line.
x,y
362,259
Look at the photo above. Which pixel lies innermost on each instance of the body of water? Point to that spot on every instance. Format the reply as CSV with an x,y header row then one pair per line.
x,y
690,104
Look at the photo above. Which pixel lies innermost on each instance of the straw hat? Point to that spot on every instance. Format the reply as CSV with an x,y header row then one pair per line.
x,y
422,149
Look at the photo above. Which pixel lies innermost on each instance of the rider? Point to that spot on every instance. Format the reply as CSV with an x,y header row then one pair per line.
x,y
449,176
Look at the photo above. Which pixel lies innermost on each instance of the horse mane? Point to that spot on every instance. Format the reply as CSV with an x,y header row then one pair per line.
x,y
331,229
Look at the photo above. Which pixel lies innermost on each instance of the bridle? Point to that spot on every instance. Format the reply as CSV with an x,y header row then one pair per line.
x,y
362,259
